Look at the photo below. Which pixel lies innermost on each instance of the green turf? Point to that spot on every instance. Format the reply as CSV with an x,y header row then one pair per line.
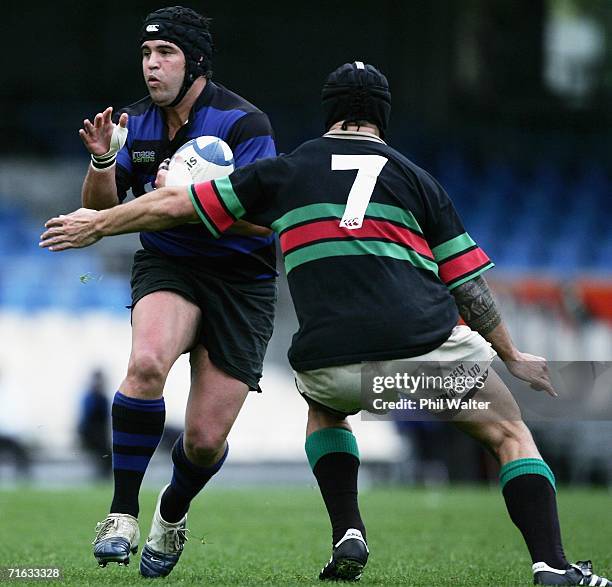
x,y
457,536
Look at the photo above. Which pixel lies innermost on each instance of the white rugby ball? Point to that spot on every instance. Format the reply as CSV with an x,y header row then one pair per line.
x,y
200,159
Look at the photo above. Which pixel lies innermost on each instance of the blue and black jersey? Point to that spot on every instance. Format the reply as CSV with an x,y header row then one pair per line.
x,y
217,112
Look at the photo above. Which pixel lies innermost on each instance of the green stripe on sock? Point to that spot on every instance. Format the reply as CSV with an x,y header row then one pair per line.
x,y
525,467
328,440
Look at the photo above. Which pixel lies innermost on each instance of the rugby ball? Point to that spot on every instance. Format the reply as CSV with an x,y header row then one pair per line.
x,y
200,159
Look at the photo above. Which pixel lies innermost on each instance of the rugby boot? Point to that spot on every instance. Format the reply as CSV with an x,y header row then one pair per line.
x,y
116,537
349,557
579,574
164,545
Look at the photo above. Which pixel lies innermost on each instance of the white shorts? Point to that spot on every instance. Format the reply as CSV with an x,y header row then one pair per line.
x,y
340,388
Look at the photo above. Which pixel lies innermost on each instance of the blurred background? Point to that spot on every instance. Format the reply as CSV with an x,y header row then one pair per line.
x,y
506,102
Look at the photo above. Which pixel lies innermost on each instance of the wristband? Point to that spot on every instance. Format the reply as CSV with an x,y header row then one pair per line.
x,y
100,164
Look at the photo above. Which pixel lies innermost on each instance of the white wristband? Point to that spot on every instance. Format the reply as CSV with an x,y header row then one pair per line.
x,y
97,166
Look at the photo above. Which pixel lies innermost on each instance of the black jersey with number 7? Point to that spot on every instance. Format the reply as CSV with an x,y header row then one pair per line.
x,y
372,245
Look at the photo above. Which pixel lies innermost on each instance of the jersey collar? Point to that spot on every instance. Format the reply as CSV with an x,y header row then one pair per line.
x,y
358,135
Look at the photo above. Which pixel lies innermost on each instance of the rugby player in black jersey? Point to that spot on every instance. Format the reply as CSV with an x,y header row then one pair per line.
x,y
380,268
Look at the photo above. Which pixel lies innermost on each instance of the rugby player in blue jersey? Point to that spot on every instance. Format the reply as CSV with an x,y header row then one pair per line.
x,y
213,298
379,267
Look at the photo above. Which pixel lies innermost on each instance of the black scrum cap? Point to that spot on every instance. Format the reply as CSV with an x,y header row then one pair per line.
x,y
188,30
357,92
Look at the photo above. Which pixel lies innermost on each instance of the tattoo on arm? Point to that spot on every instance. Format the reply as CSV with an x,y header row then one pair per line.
x,y
476,305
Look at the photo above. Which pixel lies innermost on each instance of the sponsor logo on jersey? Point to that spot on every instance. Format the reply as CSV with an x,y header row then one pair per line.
x,y
143,156
350,223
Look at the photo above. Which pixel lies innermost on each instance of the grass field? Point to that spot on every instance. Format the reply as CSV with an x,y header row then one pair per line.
x,y
457,536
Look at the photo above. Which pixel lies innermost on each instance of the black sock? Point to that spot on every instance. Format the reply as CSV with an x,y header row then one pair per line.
x,y
138,426
188,479
334,459
532,505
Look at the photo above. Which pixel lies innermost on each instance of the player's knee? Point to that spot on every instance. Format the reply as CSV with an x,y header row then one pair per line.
x,y
204,447
147,368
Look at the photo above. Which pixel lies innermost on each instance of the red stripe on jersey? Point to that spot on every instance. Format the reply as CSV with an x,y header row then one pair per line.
x,y
462,265
327,229
211,204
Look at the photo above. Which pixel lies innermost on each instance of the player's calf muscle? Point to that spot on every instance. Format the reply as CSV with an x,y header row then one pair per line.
x,y
319,417
515,442
506,440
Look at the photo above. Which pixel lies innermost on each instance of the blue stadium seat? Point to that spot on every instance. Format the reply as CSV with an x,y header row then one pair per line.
x,y
565,255
516,253
602,256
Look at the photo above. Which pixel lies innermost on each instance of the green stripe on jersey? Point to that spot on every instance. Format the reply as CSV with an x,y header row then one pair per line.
x,y
339,248
196,205
313,212
229,197
452,247
471,275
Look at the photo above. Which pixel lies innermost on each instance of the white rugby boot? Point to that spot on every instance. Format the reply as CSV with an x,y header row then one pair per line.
x,y
164,545
116,537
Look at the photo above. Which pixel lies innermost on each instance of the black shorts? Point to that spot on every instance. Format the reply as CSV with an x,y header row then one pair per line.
x,y
237,317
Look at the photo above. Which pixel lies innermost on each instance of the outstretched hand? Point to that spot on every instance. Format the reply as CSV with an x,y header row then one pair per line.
x,y
97,136
533,370
71,231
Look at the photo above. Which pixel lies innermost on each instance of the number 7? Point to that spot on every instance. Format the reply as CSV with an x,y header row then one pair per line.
x,y
368,169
